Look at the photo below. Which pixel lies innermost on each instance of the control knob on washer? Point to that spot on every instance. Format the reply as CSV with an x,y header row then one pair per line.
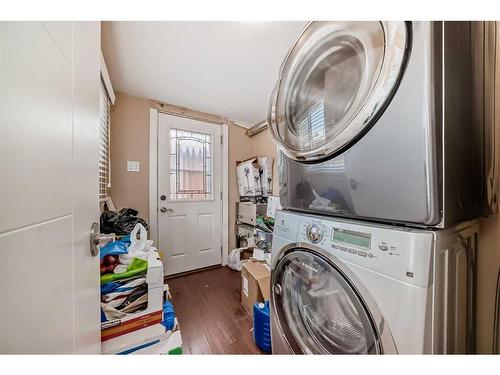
x,y
314,233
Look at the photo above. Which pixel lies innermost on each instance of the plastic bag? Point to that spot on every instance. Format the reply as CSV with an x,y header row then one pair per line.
x,y
139,247
115,309
140,244
115,248
122,222
233,259
136,267
113,290
168,316
136,294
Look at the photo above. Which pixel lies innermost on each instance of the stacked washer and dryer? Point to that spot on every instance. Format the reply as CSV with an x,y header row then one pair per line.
x,y
387,160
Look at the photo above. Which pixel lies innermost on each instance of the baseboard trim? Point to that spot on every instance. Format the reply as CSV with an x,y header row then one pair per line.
x,y
191,272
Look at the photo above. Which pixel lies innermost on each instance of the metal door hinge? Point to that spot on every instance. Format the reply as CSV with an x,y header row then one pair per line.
x,y
221,139
221,195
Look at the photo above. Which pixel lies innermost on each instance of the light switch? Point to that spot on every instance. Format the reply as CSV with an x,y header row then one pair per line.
x,y
132,166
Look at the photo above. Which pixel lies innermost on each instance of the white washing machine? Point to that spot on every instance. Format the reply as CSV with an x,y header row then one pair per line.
x,y
344,287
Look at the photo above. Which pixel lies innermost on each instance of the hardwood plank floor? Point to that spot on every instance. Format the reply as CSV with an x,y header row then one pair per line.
x,y
211,318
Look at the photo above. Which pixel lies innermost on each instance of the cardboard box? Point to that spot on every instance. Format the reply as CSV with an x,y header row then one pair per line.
x,y
151,340
248,175
247,212
255,285
266,175
120,343
111,330
171,345
246,253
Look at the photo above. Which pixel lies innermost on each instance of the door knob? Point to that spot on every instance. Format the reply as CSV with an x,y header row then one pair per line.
x,y
96,237
94,241
164,209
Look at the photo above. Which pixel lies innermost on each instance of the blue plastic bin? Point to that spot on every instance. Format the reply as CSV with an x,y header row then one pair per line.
x,y
262,326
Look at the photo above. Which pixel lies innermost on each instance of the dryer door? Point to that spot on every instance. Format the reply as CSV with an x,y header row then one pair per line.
x,y
334,84
319,309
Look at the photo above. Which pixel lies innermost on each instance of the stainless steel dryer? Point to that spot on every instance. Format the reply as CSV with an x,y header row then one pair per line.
x,y
386,121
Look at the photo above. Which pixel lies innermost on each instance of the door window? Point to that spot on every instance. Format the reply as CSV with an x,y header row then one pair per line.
x,y
190,165
334,83
319,310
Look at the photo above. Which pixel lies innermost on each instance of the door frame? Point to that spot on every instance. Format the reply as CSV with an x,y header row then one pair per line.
x,y
153,180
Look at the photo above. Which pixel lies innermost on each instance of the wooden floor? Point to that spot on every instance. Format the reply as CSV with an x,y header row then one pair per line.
x,y
211,318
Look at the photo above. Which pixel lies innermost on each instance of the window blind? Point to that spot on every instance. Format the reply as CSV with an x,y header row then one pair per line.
x,y
104,149
311,128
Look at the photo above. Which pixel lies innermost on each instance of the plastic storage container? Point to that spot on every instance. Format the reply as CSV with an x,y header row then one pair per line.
x,y
262,326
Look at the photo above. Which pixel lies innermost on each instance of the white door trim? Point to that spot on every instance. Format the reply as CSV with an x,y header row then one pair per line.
x,y
225,192
153,175
153,182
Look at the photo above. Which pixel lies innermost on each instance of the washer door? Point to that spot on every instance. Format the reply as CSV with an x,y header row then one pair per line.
x,y
320,311
334,84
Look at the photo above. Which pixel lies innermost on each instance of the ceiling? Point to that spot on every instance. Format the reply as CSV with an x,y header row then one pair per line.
x,y
225,68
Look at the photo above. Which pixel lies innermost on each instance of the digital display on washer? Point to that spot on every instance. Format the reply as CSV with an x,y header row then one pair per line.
x,y
353,238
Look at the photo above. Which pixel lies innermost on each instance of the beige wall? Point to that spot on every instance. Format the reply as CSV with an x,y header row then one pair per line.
x,y
130,141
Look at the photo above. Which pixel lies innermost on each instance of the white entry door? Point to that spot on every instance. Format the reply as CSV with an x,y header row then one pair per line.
x,y
189,193
49,122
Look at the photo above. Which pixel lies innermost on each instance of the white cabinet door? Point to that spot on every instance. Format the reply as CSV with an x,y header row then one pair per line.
x,y
189,199
49,118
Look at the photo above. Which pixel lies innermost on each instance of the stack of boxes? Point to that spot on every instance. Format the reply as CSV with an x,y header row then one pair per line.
x,y
255,179
143,332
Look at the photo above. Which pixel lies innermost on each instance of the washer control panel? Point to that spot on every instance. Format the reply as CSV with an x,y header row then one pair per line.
x,y
401,253
347,240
